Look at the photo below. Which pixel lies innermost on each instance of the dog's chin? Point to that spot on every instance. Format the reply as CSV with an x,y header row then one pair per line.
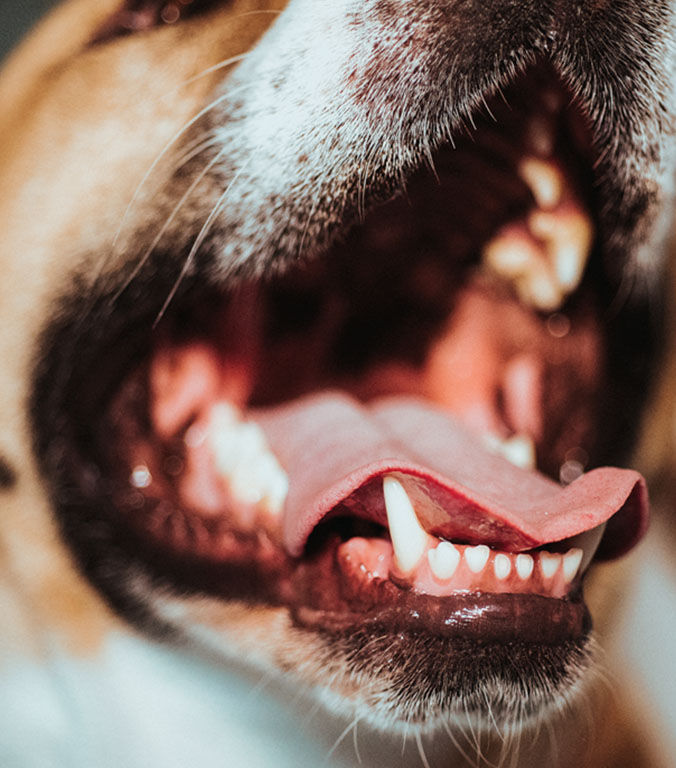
x,y
236,462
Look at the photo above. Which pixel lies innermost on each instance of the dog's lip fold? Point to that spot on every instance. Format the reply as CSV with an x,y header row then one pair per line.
x,y
463,492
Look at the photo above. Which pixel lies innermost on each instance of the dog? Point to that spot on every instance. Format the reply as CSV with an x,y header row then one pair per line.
x,y
323,325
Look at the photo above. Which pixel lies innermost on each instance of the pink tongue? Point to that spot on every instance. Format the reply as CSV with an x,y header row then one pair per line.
x,y
336,451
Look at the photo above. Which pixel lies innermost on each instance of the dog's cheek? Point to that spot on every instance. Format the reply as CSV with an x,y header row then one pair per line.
x,y
76,143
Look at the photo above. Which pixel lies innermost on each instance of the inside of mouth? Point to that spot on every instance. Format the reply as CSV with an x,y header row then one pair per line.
x,y
470,296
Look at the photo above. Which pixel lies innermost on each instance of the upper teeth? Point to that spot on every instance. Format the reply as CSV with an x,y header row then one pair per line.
x,y
544,179
241,455
409,539
545,257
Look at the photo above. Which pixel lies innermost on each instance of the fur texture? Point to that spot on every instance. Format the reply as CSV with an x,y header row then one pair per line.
x,y
137,170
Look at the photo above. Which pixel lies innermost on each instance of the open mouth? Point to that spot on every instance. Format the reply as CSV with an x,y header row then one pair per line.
x,y
394,435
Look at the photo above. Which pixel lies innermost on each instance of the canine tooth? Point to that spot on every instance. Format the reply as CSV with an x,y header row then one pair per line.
x,y
443,560
571,563
524,566
409,539
549,564
502,566
477,557
544,179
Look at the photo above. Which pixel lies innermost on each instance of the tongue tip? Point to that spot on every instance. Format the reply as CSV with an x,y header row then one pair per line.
x,y
629,523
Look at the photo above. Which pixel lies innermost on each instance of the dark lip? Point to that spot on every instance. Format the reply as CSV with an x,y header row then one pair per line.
x,y
484,619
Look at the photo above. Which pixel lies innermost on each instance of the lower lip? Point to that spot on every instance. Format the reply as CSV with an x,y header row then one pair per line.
x,y
327,597
476,617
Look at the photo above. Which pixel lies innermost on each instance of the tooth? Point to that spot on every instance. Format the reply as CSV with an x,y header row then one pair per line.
x,y
549,563
502,566
571,563
509,255
443,560
477,557
538,288
588,542
520,450
524,566
409,540
544,179
568,237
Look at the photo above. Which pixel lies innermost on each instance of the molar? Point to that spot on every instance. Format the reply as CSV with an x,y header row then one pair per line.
x,y
567,236
243,458
518,449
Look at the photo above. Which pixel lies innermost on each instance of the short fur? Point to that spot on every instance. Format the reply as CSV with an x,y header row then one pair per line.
x,y
325,110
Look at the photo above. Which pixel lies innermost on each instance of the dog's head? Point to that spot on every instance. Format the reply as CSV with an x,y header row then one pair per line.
x,y
283,291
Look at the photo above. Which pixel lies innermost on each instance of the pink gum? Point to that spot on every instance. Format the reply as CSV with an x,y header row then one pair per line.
x,y
377,558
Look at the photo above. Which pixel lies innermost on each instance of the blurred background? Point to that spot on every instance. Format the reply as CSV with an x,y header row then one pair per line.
x,y
16,18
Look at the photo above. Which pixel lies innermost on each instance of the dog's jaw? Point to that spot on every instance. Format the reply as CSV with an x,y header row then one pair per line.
x,y
313,137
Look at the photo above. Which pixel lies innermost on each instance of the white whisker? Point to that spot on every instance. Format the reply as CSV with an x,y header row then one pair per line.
x,y
204,111
217,208
147,253
421,750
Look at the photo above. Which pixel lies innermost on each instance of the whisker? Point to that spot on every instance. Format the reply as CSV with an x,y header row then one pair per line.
x,y
147,253
205,110
196,148
421,750
218,207
341,737
456,743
